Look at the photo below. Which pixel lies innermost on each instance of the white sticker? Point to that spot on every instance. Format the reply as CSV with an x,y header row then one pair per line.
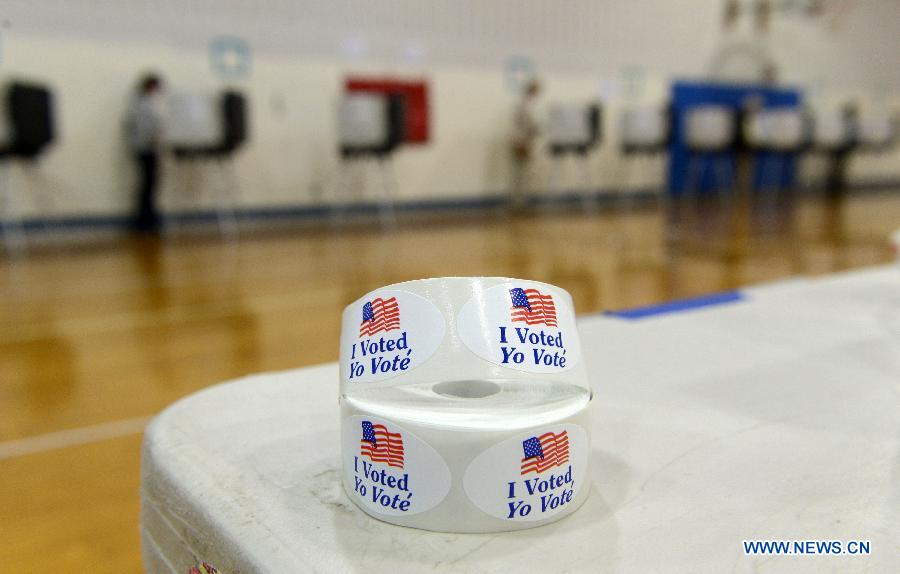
x,y
389,470
532,476
388,333
521,325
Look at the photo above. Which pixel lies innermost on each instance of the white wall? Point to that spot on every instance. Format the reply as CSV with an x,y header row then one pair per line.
x,y
91,52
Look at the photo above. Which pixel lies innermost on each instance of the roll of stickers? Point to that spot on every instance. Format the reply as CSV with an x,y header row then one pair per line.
x,y
464,405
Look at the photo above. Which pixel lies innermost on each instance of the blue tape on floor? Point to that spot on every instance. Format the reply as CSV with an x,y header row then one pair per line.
x,y
679,306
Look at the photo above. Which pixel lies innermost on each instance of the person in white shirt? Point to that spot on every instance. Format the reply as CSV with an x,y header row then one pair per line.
x,y
525,130
145,130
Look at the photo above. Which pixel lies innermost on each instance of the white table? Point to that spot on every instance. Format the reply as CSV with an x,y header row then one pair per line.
x,y
775,416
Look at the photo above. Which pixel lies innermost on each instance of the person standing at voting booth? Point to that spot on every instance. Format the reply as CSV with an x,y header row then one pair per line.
x,y
525,130
145,133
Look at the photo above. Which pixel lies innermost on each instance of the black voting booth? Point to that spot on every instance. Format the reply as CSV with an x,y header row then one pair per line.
x,y
28,111
646,129
371,127
645,132
234,113
232,116
27,128
579,130
212,152
387,133
572,132
860,133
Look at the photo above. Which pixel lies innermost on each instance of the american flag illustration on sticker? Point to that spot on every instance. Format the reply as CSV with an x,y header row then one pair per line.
x,y
532,307
544,452
380,445
379,315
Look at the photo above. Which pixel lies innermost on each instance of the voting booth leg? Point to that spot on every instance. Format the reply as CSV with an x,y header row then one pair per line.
x,y
626,201
630,164
770,190
518,192
697,170
183,175
42,190
188,191
386,208
623,202
12,228
725,191
349,187
553,175
687,204
740,208
226,192
173,193
724,181
589,199
341,191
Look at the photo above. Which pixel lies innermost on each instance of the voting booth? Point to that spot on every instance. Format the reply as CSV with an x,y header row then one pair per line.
x,y
204,130
876,131
832,137
27,128
644,129
371,126
26,120
209,124
194,123
572,131
781,130
710,134
773,135
710,128
644,135
829,131
839,134
573,128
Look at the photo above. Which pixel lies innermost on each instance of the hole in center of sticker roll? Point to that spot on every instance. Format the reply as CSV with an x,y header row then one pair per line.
x,y
467,389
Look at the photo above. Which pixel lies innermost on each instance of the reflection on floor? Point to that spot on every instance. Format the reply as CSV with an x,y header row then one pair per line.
x,y
114,331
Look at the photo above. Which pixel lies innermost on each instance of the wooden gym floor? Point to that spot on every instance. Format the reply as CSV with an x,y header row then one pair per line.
x,y
94,339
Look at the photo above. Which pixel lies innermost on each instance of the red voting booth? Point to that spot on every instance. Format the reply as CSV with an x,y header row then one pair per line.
x,y
415,94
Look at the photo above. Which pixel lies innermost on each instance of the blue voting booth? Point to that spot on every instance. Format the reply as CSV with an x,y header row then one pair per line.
x,y
688,94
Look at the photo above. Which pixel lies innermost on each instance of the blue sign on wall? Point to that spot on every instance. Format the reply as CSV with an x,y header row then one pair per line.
x,y
517,71
229,57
